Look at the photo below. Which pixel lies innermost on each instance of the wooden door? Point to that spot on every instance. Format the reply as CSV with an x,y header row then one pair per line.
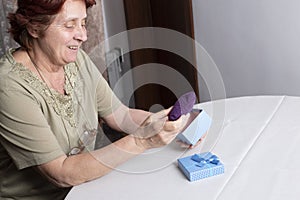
x,y
172,14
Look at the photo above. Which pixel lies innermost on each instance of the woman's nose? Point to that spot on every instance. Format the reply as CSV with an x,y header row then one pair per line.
x,y
80,33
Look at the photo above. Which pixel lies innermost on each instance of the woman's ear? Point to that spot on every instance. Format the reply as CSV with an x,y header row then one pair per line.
x,y
33,31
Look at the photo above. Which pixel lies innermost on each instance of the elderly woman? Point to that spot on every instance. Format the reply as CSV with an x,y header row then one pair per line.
x,y
52,97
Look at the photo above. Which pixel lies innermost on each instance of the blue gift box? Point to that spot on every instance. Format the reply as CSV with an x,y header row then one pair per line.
x,y
199,166
199,126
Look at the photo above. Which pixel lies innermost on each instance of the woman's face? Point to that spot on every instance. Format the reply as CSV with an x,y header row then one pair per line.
x,y
65,35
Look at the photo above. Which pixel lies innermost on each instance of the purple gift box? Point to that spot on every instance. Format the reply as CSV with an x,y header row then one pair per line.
x,y
199,166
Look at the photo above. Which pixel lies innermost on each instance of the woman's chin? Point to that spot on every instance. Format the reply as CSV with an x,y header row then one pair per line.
x,y
71,57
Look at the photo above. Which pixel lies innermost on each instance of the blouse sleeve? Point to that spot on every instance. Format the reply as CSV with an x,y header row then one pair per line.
x,y
106,100
24,131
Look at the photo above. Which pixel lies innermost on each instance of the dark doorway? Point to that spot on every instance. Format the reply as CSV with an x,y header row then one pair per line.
x,y
171,14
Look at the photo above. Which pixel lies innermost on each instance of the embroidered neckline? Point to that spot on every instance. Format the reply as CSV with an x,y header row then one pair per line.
x,y
62,104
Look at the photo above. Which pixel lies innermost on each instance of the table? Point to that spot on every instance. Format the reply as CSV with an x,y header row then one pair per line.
x,y
256,137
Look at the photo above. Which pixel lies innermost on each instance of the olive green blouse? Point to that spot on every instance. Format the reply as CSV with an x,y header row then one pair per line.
x,y
38,124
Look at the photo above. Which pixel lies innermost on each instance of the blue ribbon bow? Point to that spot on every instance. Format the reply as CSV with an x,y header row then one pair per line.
x,y
213,159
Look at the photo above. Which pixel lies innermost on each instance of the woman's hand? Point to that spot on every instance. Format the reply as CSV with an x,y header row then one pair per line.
x,y
189,146
157,131
192,116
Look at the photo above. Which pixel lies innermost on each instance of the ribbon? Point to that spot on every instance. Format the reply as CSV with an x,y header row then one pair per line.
x,y
213,159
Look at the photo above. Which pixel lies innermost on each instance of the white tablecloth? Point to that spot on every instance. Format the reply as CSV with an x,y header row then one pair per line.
x,y
257,139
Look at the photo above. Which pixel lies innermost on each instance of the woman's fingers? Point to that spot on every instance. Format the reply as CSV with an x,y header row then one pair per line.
x,y
158,131
185,145
161,139
159,115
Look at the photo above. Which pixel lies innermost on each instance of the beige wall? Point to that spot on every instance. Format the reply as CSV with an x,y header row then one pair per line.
x,y
255,44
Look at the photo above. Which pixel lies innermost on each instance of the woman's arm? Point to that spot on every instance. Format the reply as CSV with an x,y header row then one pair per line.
x,y
73,170
126,119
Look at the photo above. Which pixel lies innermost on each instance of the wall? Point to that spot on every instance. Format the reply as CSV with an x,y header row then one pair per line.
x,y
114,26
114,17
254,43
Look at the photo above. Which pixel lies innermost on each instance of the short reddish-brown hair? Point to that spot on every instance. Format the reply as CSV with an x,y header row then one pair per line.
x,y
35,13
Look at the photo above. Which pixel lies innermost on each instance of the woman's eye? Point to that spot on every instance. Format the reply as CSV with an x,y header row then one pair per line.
x,y
83,23
73,24
70,25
